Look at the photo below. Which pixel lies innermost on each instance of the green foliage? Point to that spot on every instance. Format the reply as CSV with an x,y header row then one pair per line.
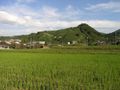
x,y
58,69
79,34
82,34
114,35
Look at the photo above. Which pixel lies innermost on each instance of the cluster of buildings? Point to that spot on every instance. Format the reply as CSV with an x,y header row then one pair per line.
x,y
17,44
7,44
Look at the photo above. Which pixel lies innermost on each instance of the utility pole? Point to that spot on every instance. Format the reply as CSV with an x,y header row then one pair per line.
x,y
30,42
60,38
88,43
115,38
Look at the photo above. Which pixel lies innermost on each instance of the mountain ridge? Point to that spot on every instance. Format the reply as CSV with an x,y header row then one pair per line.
x,y
83,33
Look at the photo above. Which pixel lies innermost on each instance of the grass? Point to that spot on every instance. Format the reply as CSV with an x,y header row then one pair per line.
x,y
60,69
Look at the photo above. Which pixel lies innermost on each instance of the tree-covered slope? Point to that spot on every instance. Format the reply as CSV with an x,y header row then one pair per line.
x,y
80,34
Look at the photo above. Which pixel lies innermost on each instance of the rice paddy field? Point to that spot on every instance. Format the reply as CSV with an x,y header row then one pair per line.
x,y
60,69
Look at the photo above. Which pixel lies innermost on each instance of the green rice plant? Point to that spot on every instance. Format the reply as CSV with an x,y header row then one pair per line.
x,y
51,70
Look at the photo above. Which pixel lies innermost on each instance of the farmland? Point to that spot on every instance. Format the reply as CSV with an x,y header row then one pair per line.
x,y
60,69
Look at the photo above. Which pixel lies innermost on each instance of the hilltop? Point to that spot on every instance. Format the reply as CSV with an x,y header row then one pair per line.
x,y
82,34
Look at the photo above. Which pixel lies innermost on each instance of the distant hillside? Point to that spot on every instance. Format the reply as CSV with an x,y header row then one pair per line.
x,y
116,34
114,37
82,34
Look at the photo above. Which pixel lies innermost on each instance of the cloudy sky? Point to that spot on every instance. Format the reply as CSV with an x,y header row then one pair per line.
x,y
27,16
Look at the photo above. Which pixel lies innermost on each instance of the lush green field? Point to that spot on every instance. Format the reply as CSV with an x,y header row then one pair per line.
x,y
60,69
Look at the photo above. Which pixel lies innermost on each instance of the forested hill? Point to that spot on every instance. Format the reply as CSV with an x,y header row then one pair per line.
x,y
82,33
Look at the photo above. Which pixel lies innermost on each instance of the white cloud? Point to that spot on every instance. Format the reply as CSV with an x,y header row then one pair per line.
x,y
111,6
25,20
49,12
26,24
8,18
72,11
19,9
25,1
105,26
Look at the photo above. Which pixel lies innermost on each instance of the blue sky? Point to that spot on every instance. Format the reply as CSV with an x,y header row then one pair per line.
x,y
28,16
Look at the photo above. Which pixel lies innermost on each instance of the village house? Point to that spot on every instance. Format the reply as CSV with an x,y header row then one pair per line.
x,y
35,44
4,45
12,43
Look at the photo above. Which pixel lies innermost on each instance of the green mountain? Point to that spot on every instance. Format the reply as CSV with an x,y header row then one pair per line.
x,y
114,34
114,37
81,34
